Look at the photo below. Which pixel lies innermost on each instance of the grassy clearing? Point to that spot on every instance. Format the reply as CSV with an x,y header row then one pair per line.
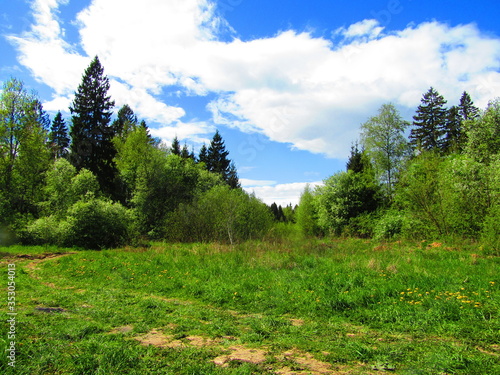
x,y
320,307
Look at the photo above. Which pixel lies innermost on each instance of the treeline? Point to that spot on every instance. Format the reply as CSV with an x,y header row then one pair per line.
x,y
99,183
437,177
103,181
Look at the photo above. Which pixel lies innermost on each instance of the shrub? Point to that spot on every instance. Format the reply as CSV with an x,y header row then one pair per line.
x,y
389,225
219,214
490,235
98,224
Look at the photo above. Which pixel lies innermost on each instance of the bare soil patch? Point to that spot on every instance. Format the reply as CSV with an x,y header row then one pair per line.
x,y
241,353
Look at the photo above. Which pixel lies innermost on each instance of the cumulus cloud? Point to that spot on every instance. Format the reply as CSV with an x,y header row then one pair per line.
x,y
281,194
310,92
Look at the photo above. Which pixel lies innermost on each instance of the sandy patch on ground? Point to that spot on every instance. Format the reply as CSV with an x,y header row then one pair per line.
x,y
241,353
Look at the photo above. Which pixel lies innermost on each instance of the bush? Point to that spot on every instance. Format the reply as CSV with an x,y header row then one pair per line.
x,y
390,225
490,235
46,230
98,224
219,214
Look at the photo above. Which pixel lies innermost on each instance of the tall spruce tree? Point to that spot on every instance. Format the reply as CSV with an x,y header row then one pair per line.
x,y
429,122
91,134
58,137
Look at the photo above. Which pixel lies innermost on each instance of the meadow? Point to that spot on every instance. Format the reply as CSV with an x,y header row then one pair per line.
x,y
316,306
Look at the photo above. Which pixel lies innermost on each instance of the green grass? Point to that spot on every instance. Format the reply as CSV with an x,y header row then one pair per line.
x,y
361,306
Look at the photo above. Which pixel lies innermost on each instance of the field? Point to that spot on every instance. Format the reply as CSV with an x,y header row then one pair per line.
x,y
308,307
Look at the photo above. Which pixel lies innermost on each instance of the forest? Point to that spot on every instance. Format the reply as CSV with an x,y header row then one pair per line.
x,y
102,181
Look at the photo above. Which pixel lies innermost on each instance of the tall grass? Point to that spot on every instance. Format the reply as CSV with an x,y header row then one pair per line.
x,y
444,297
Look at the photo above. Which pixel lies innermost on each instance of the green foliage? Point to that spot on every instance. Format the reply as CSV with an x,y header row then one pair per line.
x,y
64,187
216,160
97,224
47,230
465,192
91,134
162,184
345,196
390,225
136,153
384,140
483,134
58,137
307,216
448,196
420,195
220,214
24,153
429,122
490,234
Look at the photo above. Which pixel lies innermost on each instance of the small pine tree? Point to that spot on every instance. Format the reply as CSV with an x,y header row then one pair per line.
x,y
217,161
232,177
175,148
466,109
203,155
58,137
125,122
429,122
355,162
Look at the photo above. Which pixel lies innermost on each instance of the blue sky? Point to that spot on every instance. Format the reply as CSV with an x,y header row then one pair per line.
x,y
286,83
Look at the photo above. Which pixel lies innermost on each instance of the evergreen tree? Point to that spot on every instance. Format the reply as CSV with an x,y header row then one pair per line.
x,y
217,161
42,117
125,122
453,136
203,155
275,211
176,147
58,137
466,109
429,122
232,177
91,134
354,162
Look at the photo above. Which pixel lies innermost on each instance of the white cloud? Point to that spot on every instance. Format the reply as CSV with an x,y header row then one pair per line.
x,y
192,131
366,28
281,194
291,87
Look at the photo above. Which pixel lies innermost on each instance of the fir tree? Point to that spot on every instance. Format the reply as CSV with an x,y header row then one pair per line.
x,y
217,161
453,134
232,177
91,134
355,162
176,147
466,109
429,122
125,122
58,137
203,155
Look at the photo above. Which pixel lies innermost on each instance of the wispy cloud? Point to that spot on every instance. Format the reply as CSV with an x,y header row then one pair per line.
x,y
310,92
